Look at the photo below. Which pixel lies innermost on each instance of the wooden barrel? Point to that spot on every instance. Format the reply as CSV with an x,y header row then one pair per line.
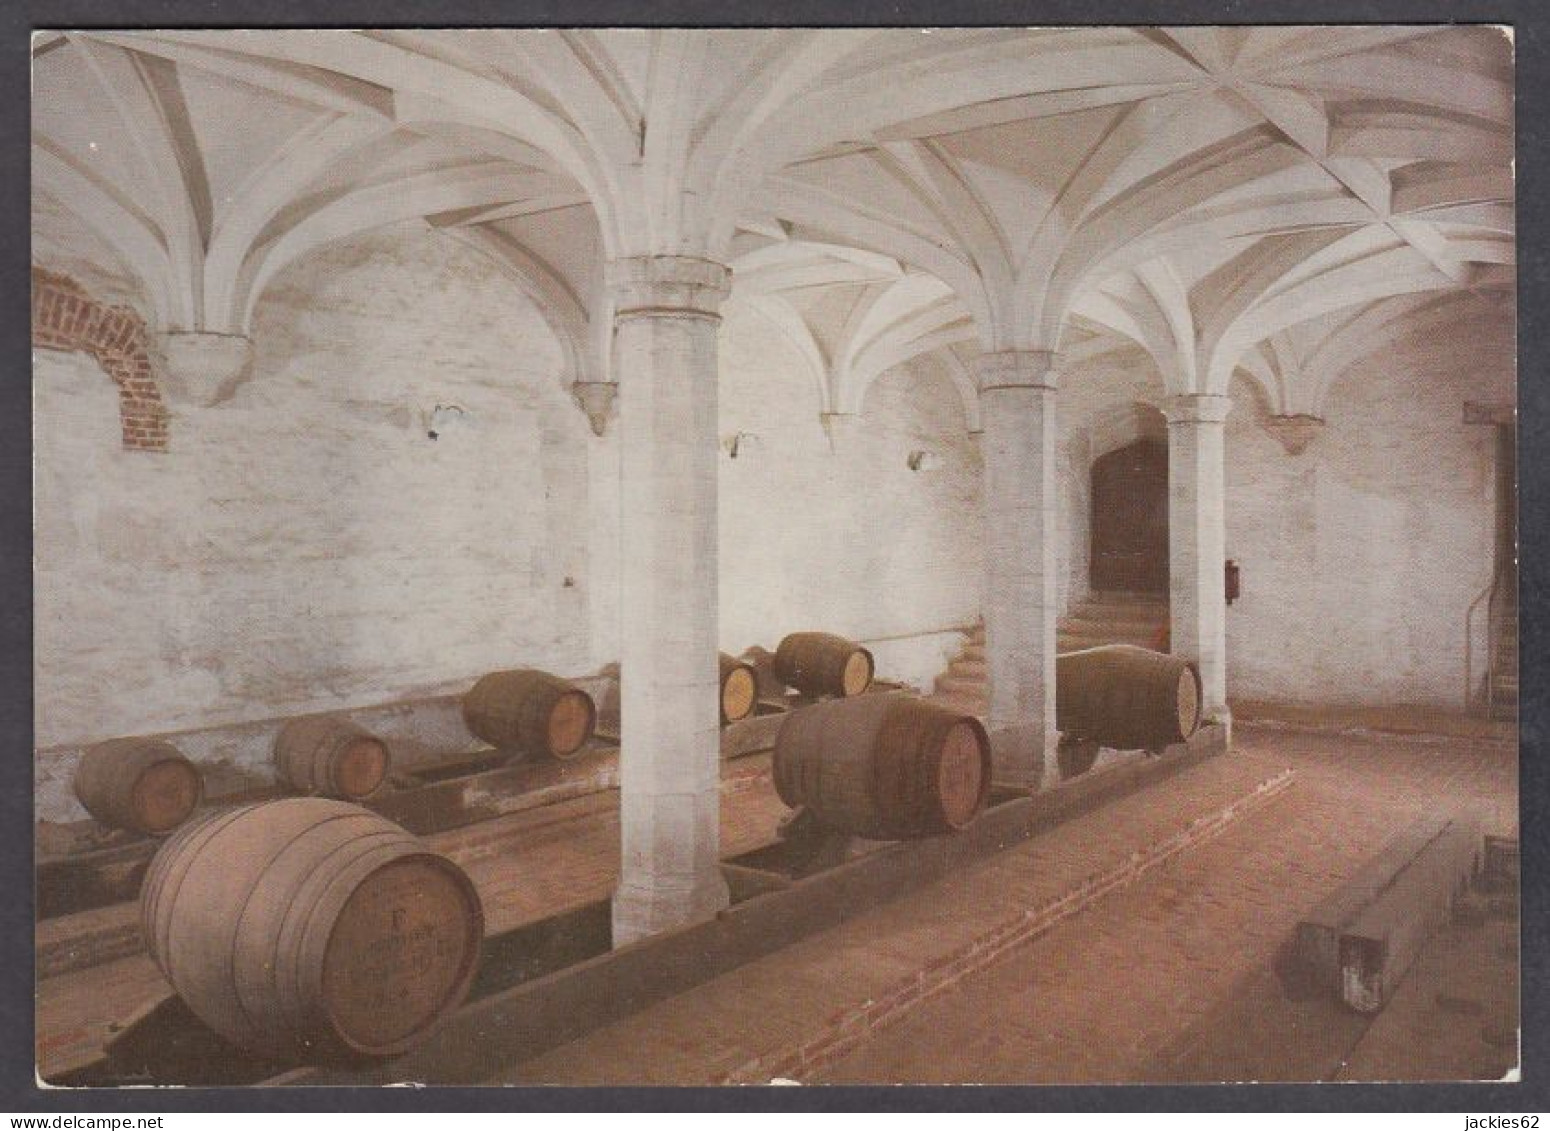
x,y
329,756
739,689
820,663
762,660
141,784
1125,697
887,767
311,929
530,711
1074,757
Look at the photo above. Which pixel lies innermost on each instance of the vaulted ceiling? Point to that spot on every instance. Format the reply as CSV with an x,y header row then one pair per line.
x,y
1267,201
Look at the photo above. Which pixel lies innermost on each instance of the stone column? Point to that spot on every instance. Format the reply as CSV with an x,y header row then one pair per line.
x,y
665,359
1197,539
1017,411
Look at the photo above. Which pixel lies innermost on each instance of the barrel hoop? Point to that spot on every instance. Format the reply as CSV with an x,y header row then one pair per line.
x,y
287,940
256,882
323,898
896,744
182,856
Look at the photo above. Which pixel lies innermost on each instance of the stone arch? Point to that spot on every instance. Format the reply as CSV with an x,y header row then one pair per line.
x,y
65,317
1123,424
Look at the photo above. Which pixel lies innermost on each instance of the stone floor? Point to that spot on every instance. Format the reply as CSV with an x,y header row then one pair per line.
x,y
1168,973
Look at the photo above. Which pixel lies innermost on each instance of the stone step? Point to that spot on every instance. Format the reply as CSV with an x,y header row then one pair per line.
x,y
1075,643
1121,608
1121,597
976,705
973,654
956,686
1117,616
1385,936
966,668
1086,626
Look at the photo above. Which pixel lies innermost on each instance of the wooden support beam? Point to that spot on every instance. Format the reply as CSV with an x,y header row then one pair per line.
x,y
427,798
1318,935
1380,945
1359,942
553,980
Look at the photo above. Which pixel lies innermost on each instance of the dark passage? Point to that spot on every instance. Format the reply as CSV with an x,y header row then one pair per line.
x,y
1130,519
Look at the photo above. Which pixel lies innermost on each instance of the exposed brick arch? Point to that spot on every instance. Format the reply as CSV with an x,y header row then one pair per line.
x,y
65,317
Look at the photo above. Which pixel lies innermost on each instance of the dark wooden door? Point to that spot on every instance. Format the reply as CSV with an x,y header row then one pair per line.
x,y
1130,519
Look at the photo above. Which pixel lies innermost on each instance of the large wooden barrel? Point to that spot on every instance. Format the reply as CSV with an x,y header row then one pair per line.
x,y
530,711
820,663
887,767
311,929
1125,697
329,756
739,689
141,784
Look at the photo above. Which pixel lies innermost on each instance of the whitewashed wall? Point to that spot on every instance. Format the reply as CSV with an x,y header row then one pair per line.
x,y
1361,555
847,539
305,546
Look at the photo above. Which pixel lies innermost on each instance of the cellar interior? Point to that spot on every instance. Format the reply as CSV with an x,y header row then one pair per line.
x,y
691,556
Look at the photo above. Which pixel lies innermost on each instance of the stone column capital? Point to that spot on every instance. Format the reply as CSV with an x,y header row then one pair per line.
x,y
199,368
668,286
1015,369
596,399
1295,430
1197,408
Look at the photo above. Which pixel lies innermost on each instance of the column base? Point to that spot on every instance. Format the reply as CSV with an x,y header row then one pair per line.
x,y
1022,756
645,908
1221,717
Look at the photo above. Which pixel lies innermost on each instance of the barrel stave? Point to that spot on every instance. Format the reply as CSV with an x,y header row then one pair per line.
x,y
873,766
241,912
144,785
821,663
530,711
1126,697
330,756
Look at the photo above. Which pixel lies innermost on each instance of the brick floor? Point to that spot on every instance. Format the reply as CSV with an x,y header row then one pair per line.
x,y
765,1007
1099,999
1105,994
1121,991
1455,1015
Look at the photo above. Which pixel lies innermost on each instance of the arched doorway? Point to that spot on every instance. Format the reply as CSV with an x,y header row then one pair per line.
x,y
1130,519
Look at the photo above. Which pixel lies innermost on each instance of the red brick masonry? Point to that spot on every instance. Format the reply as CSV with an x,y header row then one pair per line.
x,y
65,317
